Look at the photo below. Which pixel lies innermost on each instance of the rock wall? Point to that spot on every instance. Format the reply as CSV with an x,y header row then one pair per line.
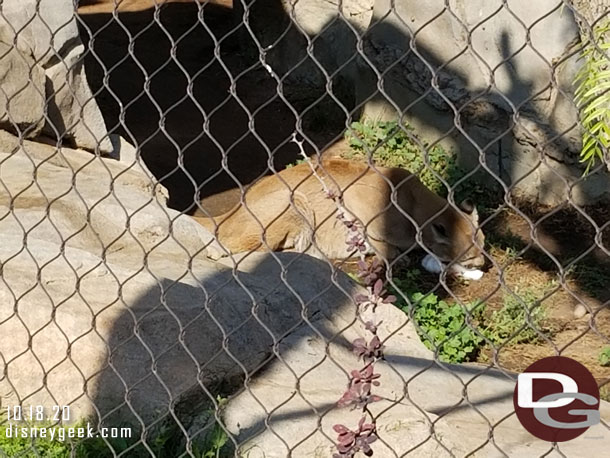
x,y
44,88
281,28
308,44
492,83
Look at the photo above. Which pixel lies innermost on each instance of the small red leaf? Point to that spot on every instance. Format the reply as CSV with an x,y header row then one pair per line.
x,y
378,287
341,429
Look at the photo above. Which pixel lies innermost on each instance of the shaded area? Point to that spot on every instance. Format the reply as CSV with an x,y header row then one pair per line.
x,y
181,346
168,351
180,82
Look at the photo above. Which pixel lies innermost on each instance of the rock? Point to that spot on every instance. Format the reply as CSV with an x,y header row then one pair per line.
x,y
22,94
48,32
282,30
119,297
428,408
129,155
579,311
485,65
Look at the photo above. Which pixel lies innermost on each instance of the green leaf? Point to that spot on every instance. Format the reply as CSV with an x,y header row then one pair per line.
x,y
598,102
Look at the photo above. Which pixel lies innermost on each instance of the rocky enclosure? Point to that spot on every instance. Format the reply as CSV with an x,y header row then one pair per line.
x,y
108,304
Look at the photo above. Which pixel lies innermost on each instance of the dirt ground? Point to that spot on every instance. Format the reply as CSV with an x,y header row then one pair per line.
x,y
576,305
527,263
576,320
164,83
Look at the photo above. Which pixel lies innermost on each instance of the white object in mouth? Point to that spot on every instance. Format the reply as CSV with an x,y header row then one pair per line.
x,y
433,265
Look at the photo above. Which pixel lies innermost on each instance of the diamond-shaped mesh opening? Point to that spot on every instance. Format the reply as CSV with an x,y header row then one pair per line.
x,y
305,228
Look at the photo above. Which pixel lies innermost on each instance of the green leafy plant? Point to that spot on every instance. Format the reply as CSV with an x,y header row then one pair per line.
x,y
28,448
509,323
592,95
297,162
409,281
396,146
214,444
442,326
604,357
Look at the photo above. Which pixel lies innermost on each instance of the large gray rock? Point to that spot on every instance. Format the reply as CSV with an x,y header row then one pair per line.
x,y
490,62
428,409
108,297
22,93
46,31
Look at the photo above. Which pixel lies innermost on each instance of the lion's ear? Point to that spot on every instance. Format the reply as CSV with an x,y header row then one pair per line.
x,y
468,207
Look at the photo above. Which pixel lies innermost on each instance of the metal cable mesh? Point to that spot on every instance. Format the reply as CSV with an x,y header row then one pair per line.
x,y
192,122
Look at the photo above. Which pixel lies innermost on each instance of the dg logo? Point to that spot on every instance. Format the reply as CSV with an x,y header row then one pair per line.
x,y
557,399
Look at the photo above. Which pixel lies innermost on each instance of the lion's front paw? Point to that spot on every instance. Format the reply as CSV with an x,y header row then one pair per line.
x,y
433,265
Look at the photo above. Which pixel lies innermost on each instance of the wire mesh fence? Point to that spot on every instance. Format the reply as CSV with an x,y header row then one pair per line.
x,y
188,186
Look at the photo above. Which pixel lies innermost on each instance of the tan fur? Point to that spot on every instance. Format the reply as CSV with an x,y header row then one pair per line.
x,y
293,208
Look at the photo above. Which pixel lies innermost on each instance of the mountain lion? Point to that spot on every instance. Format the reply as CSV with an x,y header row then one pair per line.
x,y
297,214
